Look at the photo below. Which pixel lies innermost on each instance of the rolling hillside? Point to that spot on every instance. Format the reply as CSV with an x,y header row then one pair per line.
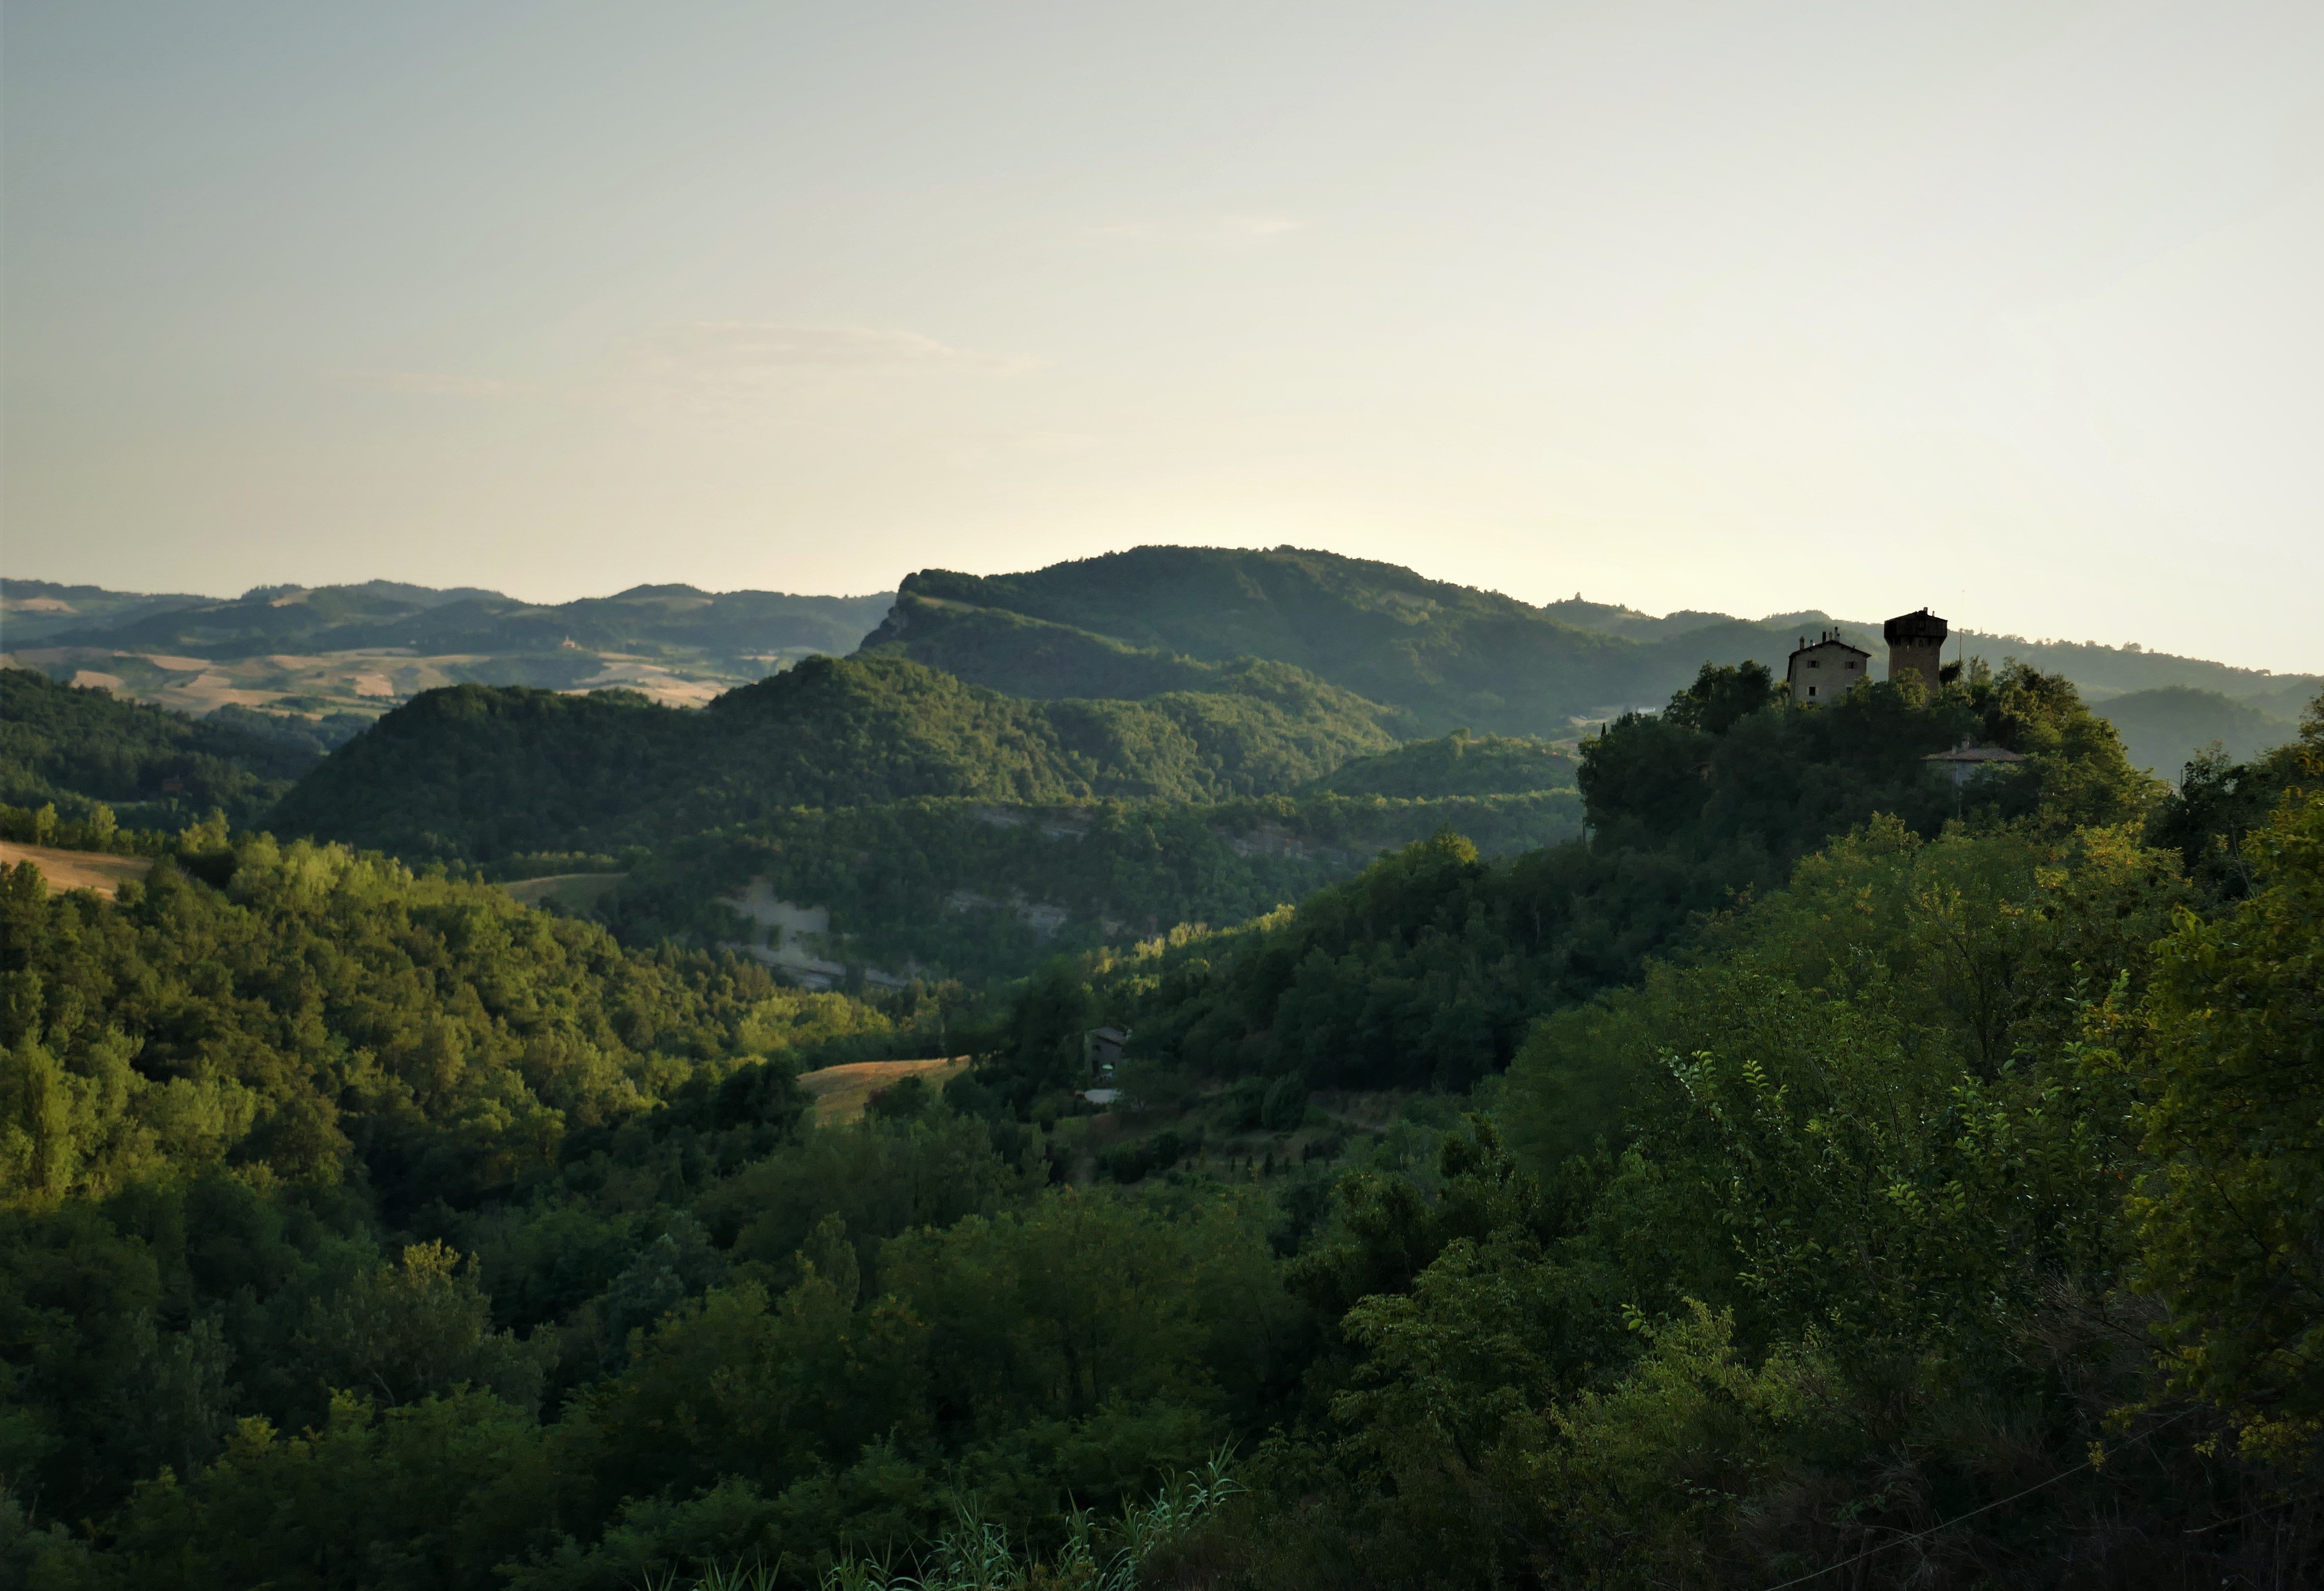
x,y
980,889
74,748
1452,656
365,647
1448,654
1127,626
2162,729
481,773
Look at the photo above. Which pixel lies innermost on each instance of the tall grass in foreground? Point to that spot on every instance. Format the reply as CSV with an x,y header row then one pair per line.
x,y
974,1555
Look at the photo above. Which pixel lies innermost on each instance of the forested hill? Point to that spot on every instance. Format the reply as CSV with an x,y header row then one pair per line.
x,y
1932,1206
1448,655
72,749
1457,764
1455,655
1427,972
480,772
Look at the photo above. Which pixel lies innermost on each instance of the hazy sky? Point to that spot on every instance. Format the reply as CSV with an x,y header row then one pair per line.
x,y
2013,309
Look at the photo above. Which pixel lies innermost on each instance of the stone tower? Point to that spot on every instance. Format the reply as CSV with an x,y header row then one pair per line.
x,y
1916,645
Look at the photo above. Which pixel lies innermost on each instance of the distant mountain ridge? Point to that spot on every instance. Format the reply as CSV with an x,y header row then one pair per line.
x,y
1452,657
364,648
1130,626
383,613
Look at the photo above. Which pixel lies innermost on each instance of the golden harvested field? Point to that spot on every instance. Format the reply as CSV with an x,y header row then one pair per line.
x,y
77,869
365,682
573,891
840,1093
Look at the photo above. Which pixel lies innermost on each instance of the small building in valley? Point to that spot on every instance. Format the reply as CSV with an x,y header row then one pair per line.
x,y
1102,1050
1825,669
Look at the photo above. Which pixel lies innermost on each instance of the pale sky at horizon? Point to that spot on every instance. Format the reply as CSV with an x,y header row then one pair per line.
x,y
2007,309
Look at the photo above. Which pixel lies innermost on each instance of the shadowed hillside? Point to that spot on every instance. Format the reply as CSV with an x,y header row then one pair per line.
x,y
76,747
2163,730
1448,655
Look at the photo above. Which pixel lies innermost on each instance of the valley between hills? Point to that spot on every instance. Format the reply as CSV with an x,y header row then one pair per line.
x,y
1190,1068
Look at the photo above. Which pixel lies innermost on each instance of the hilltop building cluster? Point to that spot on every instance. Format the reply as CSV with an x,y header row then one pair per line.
x,y
1829,667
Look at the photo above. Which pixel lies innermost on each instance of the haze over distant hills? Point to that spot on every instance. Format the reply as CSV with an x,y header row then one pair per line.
x,y
1125,626
364,648
1452,656
1237,727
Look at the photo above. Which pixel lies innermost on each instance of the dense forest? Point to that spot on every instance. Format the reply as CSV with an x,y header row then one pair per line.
x,y
1430,969
477,773
1447,654
977,890
1821,1165
75,749
1451,655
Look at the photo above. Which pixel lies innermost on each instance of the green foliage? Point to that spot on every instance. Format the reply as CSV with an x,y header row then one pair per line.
x,y
1428,969
836,1197
976,890
1861,1234
1850,1113
1722,767
313,735
2165,728
739,1385
1025,657
479,774
2232,1217
976,1556
74,749
1417,972
1445,653
323,1006
2219,802
1456,765
389,1161
97,829
423,1325
432,1494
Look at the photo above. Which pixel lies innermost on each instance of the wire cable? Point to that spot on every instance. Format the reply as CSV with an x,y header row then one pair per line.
x,y
1957,1519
